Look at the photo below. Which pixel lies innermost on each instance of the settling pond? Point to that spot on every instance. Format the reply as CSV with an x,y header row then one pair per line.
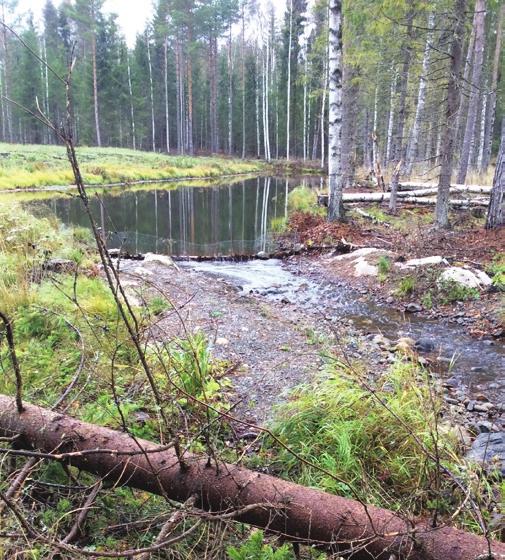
x,y
240,219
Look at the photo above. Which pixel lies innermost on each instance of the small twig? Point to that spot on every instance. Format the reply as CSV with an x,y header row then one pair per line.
x,y
83,514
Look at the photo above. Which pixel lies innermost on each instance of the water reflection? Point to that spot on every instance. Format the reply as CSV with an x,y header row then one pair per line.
x,y
210,221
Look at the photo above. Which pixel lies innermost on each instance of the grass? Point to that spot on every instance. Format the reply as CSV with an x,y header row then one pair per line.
x,y
304,199
375,445
37,166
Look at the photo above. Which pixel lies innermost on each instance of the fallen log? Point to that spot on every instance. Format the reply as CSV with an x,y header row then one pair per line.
x,y
404,196
477,189
301,514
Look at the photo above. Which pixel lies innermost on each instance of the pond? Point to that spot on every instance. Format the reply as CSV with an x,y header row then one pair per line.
x,y
208,221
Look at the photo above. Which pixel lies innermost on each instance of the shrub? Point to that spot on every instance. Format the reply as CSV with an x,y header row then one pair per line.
x,y
254,549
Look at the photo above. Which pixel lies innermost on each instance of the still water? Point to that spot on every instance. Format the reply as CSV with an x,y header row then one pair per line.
x,y
187,221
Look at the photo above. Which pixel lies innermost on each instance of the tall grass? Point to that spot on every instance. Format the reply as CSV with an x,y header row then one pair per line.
x,y
25,166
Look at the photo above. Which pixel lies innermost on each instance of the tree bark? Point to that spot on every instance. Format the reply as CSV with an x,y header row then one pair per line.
x,y
491,102
335,206
350,93
300,514
151,96
421,101
288,93
95,78
496,210
165,80
473,104
450,121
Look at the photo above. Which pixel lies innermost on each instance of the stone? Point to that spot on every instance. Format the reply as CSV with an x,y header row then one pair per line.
x,y
222,341
262,256
470,278
413,308
425,345
488,449
405,345
164,260
426,261
298,248
60,265
484,407
363,268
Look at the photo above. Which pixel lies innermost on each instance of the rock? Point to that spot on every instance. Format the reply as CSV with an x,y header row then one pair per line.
x,y
470,406
489,449
470,278
413,308
222,341
425,345
298,248
262,256
60,265
426,261
390,300
164,260
405,345
484,407
139,271
477,369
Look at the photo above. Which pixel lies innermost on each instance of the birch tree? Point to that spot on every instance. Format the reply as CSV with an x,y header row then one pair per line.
x,y
335,206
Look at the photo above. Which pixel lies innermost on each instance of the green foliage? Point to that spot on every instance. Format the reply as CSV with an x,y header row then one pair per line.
x,y
451,291
406,286
365,441
497,271
384,265
255,549
303,199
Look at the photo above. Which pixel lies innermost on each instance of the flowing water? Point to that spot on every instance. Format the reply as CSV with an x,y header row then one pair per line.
x,y
239,219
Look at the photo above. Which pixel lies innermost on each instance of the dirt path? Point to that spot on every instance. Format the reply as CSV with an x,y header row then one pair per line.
x,y
271,343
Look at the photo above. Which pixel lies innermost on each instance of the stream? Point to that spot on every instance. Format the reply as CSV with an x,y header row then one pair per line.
x,y
240,219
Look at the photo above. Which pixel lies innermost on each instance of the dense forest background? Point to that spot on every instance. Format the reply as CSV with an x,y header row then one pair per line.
x,y
210,76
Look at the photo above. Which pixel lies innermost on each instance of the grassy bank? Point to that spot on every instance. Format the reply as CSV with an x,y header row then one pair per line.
x,y
34,166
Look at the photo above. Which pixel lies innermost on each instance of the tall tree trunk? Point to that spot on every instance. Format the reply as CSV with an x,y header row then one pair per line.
x,y
469,138
95,78
350,93
413,146
257,101
325,80
305,105
132,113
151,96
165,83
6,78
496,210
391,119
288,93
242,39
400,143
491,102
448,129
213,94
189,68
230,95
335,205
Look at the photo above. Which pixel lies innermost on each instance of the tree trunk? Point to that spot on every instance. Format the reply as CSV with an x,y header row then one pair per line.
x,y
350,93
335,206
448,130
189,69
230,95
214,144
400,144
475,84
243,78
288,93
496,210
95,79
391,120
297,512
421,101
151,96
491,102
165,80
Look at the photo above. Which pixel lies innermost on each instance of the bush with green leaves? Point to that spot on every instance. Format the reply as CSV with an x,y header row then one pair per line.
x,y
254,548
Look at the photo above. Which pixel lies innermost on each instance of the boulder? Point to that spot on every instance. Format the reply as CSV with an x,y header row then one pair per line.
x,y
426,261
164,260
425,345
413,308
262,256
488,449
470,278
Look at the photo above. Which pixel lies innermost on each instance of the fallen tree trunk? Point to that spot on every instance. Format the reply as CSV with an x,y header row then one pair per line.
x,y
405,196
300,513
476,189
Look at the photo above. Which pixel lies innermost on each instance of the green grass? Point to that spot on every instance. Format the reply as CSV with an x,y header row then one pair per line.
x,y
304,199
36,166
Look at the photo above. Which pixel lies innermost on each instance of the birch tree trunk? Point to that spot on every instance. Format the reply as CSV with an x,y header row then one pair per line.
x,y
391,120
491,102
335,205
496,210
243,77
469,138
449,130
6,78
323,113
305,68
151,96
180,145
421,101
213,94
189,69
258,140
288,102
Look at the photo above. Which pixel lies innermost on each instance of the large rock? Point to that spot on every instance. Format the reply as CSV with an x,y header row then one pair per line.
x,y
164,260
363,262
426,261
470,278
488,449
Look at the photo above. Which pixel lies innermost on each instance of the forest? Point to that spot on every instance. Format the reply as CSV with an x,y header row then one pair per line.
x,y
252,280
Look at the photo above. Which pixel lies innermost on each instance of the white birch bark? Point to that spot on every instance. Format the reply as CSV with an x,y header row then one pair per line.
x,y
151,95
335,206
165,80
288,102
132,112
